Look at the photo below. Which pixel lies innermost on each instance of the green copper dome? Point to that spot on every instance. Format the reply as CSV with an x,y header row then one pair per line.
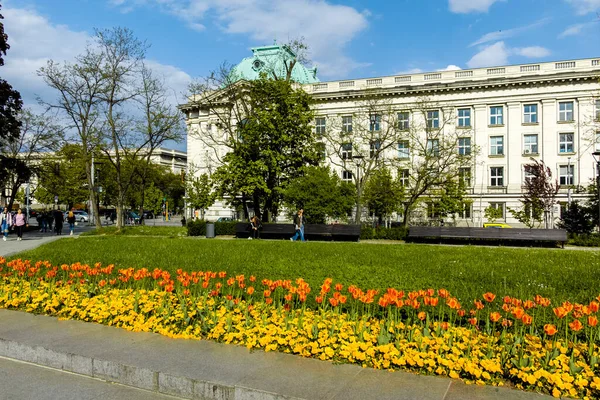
x,y
272,58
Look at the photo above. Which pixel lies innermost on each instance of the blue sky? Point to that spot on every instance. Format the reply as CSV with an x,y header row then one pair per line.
x,y
348,39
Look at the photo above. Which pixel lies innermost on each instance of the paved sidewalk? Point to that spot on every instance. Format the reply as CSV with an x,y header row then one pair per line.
x,y
196,369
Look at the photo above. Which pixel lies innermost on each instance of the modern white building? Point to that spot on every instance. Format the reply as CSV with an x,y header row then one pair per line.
x,y
546,111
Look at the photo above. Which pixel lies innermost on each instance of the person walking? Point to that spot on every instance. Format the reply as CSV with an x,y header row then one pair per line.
x,y
299,225
49,221
255,226
71,220
59,220
7,222
20,223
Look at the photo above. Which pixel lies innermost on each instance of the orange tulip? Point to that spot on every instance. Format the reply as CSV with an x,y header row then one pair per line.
x,y
319,299
250,290
592,320
495,317
269,300
489,297
576,325
333,301
507,323
527,319
443,293
288,297
550,329
478,304
473,321
461,313
528,304
342,299
422,315
518,312
560,312
267,293
444,325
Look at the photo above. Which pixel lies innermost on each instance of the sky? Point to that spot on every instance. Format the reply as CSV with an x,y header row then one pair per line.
x,y
347,39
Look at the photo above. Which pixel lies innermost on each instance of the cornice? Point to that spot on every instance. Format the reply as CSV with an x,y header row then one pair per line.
x,y
451,87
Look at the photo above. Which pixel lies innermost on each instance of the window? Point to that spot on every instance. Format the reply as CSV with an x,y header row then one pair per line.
x,y
496,115
497,176
374,122
194,114
403,123
403,149
466,210
433,147
598,141
530,114
565,111
464,117
565,143
597,110
464,146
347,124
404,177
433,119
498,206
322,151
346,176
374,149
346,151
432,210
530,144
320,126
565,175
527,174
497,145
464,175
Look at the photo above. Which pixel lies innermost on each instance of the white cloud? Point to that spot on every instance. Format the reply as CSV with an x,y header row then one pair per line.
x,y
583,7
571,31
507,33
451,67
495,54
34,40
532,52
327,28
498,54
468,6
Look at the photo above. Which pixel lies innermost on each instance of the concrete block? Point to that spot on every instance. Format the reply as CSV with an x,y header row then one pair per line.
x,y
242,393
124,374
81,365
213,391
176,385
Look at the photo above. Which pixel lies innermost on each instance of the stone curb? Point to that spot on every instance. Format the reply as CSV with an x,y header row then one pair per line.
x,y
133,376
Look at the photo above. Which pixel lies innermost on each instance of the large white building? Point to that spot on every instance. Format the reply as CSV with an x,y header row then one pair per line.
x,y
548,111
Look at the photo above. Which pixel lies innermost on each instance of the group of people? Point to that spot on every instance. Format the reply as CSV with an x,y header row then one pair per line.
x,y
9,221
299,222
46,220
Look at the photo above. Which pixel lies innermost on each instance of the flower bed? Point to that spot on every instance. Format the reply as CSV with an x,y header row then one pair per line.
x,y
528,343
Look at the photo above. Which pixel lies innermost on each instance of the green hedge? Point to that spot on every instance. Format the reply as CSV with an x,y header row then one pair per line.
x,y
394,233
198,228
588,240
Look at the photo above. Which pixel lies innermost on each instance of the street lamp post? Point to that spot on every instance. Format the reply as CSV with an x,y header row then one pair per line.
x,y
596,155
358,160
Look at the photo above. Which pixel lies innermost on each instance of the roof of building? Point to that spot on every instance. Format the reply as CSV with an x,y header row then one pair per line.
x,y
267,59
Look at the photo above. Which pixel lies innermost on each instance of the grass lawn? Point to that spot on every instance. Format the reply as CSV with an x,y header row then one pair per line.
x,y
467,271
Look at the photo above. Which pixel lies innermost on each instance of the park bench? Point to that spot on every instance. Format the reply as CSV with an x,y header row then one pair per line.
x,y
510,236
337,232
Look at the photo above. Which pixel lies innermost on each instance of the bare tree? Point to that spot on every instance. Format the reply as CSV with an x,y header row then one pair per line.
x,y
22,157
362,141
79,86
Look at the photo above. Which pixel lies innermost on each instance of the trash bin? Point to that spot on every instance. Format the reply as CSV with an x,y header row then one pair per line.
x,y
210,230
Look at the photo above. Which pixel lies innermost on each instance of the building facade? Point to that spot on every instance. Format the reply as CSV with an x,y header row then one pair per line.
x,y
509,114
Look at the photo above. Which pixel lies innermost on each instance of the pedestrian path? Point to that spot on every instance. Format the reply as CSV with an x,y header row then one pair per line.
x,y
198,369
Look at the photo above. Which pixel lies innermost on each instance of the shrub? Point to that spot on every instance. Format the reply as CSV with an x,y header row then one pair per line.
x,y
225,228
393,233
589,240
196,228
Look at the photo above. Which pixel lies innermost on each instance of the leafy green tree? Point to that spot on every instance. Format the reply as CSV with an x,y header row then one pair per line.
x,y
382,194
451,199
153,199
492,213
10,104
539,196
321,193
63,175
199,193
577,219
270,143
